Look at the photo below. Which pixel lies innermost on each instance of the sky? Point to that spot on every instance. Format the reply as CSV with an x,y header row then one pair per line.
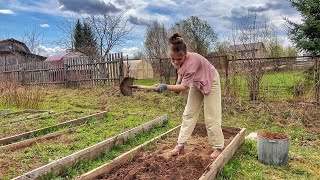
x,y
18,17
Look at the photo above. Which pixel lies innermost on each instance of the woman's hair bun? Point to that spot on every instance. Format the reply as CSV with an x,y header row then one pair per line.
x,y
175,39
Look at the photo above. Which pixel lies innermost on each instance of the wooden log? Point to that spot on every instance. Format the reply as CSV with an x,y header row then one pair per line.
x,y
14,138
90,152
214,168
4,111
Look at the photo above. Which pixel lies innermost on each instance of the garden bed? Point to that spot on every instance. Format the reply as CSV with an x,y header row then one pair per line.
x,y
44,153
152,160
42,121
10,139
19,114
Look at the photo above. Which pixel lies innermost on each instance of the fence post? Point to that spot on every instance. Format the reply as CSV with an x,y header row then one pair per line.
x,y
23,76
121,73
65,75
226,66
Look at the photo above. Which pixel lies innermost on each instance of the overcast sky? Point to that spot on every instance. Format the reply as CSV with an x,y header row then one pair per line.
x,y
19,16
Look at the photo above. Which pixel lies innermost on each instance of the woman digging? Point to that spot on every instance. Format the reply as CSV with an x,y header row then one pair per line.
x,y
202,79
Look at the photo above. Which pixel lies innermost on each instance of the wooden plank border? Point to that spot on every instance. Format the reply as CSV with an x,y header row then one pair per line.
x,y
90,152
214,168
14,138
209,173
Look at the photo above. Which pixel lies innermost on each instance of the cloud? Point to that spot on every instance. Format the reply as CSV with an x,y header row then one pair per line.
x,y
139,21
85,6
6,11
130,51
46,51
44,25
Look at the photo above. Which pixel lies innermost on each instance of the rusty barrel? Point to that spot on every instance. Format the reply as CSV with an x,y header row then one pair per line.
x,y
273,148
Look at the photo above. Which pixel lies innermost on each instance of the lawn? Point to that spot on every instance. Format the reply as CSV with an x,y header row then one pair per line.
x,y
299,120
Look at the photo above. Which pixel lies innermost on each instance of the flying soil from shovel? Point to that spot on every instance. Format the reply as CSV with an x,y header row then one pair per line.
x,y
126,86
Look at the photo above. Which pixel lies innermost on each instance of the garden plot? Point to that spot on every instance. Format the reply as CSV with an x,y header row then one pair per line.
x,y
152,160
21,115
37,123
15,162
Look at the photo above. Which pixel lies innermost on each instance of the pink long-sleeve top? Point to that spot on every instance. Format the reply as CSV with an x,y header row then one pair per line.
x,y
198,72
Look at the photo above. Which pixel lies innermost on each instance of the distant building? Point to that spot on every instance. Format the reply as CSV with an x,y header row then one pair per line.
x,y
59,59
138,69
245,51
13,52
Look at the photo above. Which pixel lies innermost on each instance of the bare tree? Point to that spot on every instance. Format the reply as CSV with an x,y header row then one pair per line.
x,y
156,45
33,40
4,33
199,35
111,29
247,38
66,27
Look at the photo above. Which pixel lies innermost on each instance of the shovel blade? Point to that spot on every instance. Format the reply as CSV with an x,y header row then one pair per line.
x,y
125,86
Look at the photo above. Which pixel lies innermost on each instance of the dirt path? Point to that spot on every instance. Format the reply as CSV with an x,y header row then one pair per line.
x,y
158,164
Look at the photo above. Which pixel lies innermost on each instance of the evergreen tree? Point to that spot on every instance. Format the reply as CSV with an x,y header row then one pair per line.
x,y
90,44
307,34
78,35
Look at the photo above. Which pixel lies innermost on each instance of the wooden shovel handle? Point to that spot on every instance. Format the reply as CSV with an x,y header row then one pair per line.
x,y
143,87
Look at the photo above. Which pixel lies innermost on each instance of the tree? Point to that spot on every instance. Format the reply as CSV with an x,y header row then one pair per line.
x,y
89,40
78,36
110,28
291,51
156,46
66,28
306,35
199,35
247,36
33,40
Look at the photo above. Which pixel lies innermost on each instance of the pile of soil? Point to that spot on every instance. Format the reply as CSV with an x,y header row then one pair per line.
x,y
158,164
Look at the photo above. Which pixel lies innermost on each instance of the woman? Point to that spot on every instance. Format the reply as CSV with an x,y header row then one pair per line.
x,y
202,79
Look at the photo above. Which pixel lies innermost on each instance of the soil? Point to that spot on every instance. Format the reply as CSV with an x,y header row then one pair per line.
x,y
158,164
273,135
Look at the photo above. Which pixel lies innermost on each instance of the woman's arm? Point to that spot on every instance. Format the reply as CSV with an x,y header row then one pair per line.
x,y
176,88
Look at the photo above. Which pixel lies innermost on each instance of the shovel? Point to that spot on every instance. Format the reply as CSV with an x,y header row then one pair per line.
x,y
126,86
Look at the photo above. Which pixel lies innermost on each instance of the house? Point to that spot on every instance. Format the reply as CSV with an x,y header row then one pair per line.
x,y
59,59
138,69
14,52
251,50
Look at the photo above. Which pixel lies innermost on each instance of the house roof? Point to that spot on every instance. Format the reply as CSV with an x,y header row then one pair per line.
x,y
247,47
9,45
59,57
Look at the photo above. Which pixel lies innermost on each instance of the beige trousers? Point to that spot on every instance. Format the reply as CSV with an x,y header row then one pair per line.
x,y
212,114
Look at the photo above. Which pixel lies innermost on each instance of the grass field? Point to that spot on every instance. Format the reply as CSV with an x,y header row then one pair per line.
x,y
299,120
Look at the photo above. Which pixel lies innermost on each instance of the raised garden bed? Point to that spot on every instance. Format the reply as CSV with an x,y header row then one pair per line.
x,y
45,120
43,155
152,160
26,134
19,114
90,152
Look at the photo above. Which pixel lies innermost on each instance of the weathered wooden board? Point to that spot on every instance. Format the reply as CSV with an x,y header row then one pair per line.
x,y
90,152
8,140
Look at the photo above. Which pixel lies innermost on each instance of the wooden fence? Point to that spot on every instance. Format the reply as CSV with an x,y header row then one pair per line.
x,y
69,72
